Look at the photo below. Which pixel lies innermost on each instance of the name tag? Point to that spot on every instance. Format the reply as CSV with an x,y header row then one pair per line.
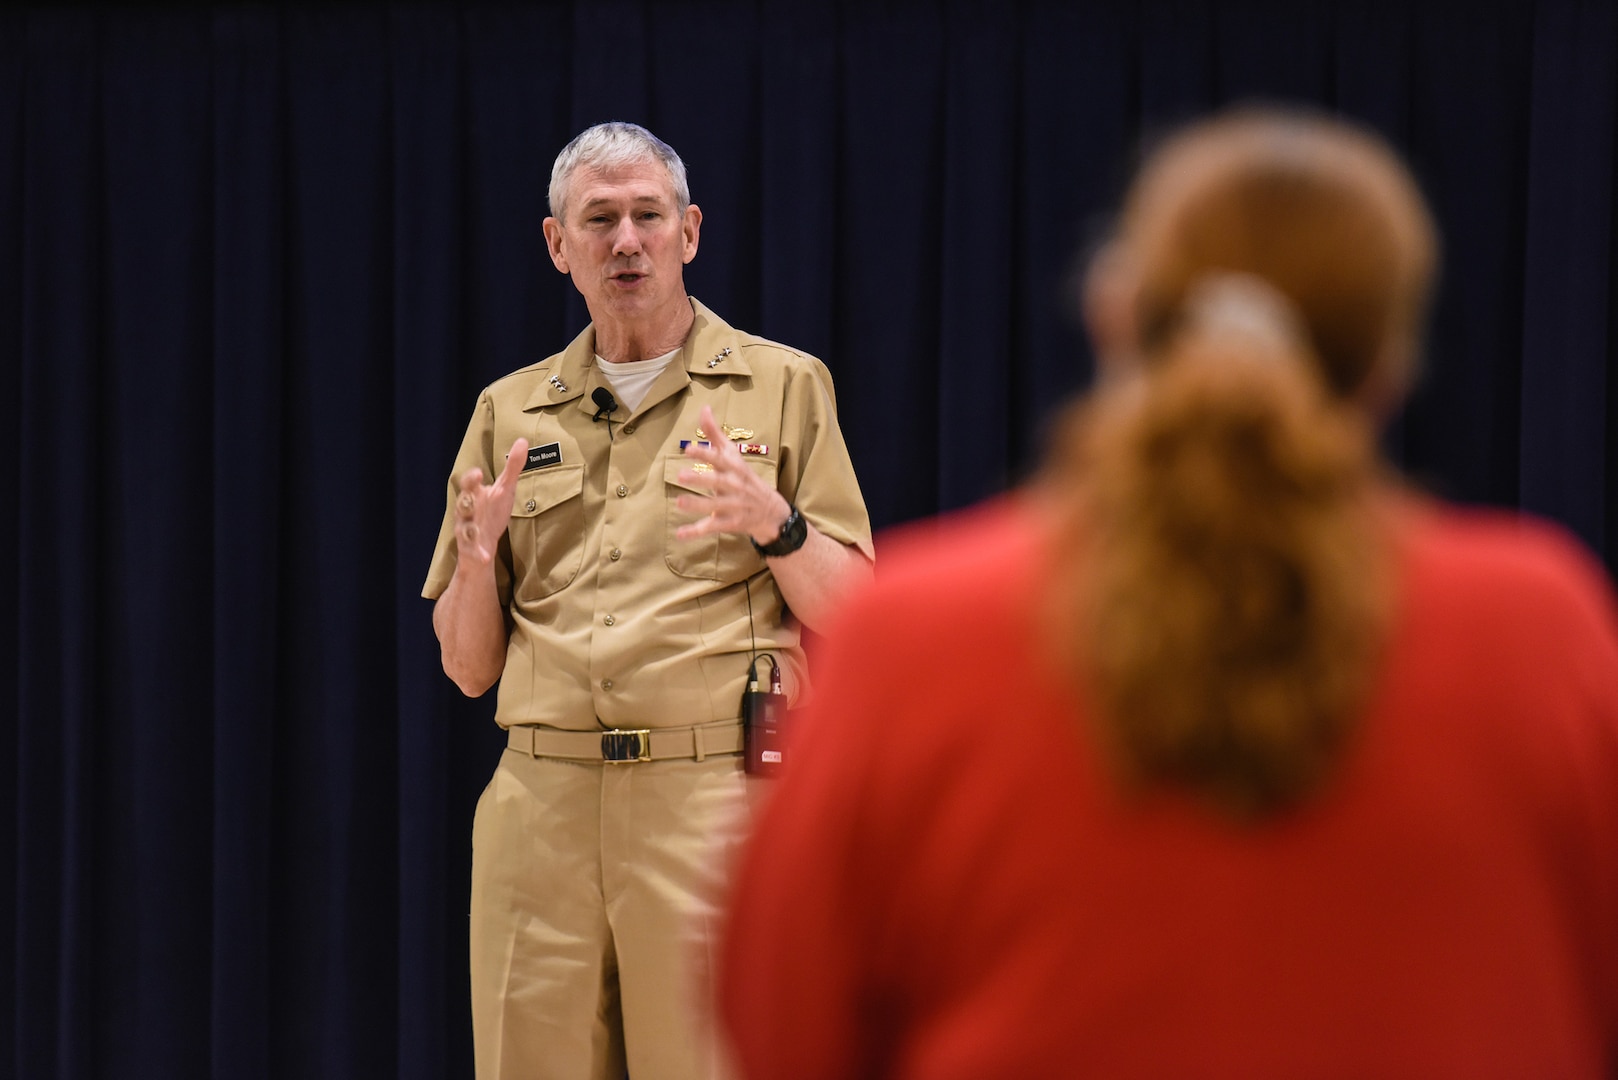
x,y
541,456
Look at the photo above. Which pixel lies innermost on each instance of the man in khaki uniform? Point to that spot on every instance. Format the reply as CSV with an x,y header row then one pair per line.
x,y
664,491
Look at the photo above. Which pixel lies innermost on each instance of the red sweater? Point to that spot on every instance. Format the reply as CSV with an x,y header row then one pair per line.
x,y
948,885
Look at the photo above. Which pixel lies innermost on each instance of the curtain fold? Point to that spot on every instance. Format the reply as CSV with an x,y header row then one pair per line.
x,y
1565,464
245,460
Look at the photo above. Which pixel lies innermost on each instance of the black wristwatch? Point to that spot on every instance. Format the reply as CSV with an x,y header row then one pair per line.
x,y
794,531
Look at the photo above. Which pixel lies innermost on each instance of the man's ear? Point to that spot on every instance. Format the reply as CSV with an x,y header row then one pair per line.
x,y
553,243
690,230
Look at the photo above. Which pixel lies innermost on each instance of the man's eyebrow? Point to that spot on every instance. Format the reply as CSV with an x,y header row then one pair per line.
x,y
655,200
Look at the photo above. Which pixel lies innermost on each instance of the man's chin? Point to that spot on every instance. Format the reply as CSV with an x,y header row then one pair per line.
x,y
628,303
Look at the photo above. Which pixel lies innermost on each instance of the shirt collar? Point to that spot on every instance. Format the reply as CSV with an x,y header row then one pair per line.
x,y
712,348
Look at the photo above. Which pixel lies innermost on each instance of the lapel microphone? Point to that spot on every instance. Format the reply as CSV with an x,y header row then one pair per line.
x,y
605,407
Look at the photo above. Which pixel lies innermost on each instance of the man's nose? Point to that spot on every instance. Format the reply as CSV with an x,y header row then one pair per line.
x,y
626,238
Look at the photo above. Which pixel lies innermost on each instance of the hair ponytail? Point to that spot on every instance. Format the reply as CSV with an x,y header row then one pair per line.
x,y
1227,591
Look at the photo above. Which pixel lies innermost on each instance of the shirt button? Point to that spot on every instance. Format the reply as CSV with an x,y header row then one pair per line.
x,y
606,684
529,505
615,555
622,491
629,429
609,620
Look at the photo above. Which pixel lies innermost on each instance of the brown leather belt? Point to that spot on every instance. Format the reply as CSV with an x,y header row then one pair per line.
x,y
626,745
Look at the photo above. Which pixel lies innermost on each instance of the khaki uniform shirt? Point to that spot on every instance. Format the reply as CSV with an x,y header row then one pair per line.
x,y
613,621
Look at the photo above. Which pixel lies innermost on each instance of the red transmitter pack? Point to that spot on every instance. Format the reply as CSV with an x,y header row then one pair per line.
x,y
764,722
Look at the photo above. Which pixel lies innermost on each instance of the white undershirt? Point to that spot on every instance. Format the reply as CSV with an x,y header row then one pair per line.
x,y
633,378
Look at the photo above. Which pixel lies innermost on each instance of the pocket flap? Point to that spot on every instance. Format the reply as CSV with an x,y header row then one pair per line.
x,y
542,489
674,466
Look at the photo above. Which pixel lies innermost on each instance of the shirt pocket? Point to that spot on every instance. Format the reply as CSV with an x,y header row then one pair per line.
x,y
727,557
547,530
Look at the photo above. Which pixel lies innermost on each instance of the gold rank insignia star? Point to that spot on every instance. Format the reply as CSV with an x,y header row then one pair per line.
x,y
737,434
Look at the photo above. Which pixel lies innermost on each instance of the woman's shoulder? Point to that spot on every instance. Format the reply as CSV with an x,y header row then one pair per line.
x,y
962,584
992,536
1508,600
990,549
1493,554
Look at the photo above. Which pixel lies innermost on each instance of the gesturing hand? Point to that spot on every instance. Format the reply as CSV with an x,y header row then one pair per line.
x,y
482,511
737,500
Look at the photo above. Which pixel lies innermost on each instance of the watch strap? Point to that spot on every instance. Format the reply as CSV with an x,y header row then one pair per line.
x,y
794,531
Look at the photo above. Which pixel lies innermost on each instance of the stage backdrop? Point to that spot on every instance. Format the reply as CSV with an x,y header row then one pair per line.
x,y
256,263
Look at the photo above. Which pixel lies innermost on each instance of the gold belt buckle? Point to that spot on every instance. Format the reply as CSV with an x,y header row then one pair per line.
x,y
619,747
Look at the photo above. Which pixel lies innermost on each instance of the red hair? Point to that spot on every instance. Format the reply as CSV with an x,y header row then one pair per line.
x,y
1229,590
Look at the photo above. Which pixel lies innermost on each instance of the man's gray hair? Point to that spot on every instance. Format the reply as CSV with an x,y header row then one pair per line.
x,y
611,145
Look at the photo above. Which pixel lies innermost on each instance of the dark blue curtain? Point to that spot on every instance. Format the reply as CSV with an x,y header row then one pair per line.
x,y
256,262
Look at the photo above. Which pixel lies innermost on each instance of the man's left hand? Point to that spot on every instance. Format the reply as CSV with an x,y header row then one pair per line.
x,y
738,499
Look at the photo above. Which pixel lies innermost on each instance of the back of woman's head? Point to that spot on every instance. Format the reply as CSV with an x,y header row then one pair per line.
x,y
1229,587
1323,212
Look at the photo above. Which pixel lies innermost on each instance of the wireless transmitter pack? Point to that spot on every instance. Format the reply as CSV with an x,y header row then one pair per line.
x,y
763,722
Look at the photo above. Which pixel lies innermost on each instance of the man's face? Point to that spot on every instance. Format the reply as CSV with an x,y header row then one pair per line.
x,y
623,240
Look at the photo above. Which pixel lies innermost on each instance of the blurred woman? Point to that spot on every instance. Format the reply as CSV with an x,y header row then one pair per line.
x,y
1214,752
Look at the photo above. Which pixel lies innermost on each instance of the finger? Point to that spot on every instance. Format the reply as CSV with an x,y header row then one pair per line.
x,y
465,504
470,480
709,455
694,504
701,527
704,471
710,426
726,469
707,480
713,519
711,463
515,461
713,506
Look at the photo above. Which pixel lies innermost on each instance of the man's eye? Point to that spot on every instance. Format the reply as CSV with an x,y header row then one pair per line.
x,y
650,215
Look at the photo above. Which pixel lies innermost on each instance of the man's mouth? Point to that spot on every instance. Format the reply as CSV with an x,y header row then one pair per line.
x,y
627,277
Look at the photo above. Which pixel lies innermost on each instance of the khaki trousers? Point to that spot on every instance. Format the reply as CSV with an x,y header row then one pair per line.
x,y
595,902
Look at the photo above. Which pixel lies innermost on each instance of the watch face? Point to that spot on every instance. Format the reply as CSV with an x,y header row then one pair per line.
x,y
794,531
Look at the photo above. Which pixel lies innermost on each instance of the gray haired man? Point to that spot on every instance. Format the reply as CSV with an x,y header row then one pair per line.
x,y
628,521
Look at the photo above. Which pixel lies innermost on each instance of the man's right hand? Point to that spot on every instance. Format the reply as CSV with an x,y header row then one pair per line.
x,y
483,511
